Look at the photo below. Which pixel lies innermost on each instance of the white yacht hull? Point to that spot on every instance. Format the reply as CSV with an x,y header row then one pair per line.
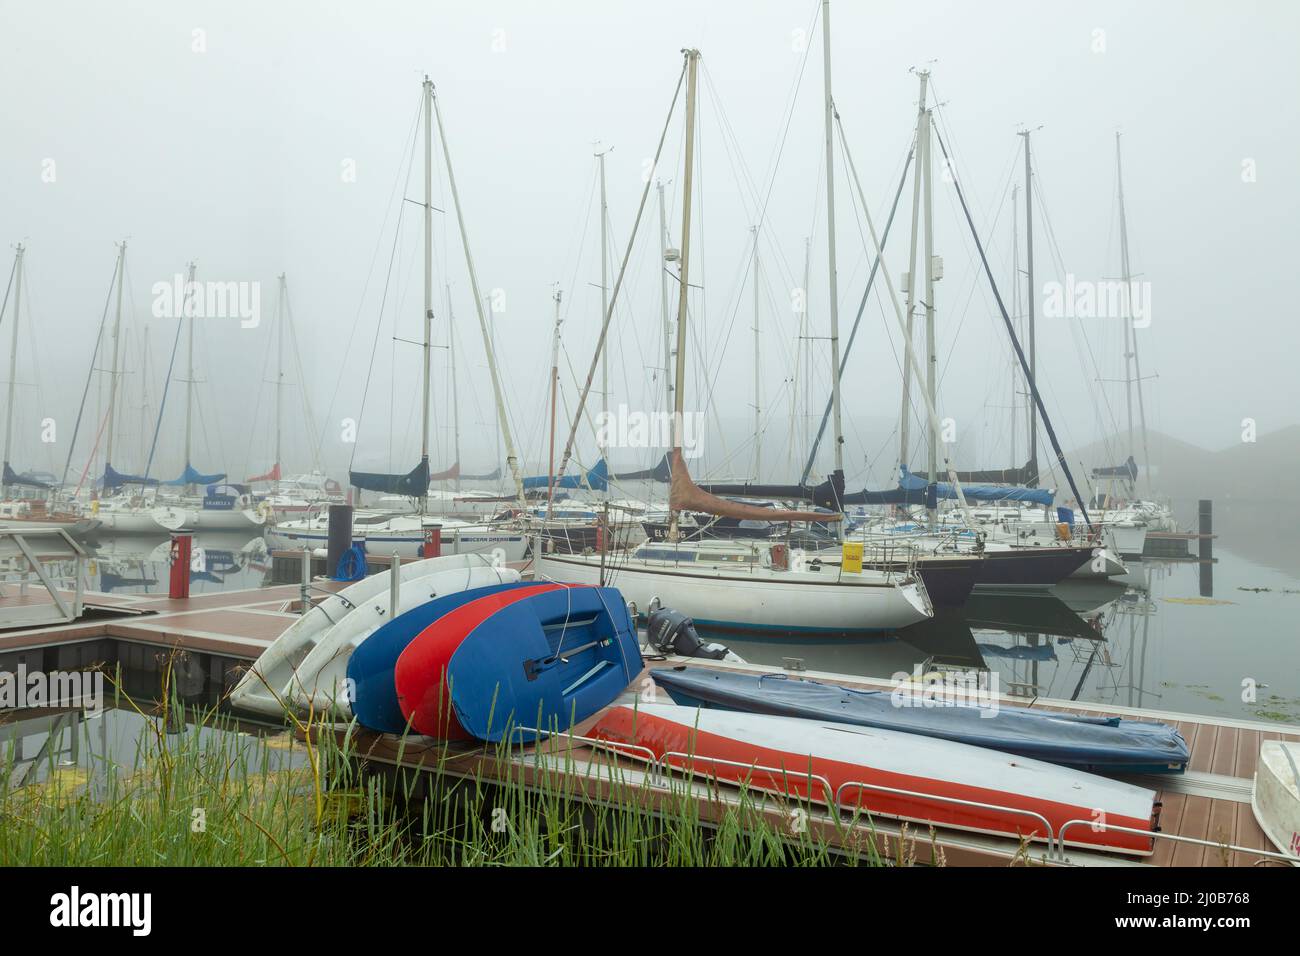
x,y
806,602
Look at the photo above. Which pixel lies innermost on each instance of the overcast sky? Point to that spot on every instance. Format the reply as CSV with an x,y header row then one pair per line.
x,y
261,138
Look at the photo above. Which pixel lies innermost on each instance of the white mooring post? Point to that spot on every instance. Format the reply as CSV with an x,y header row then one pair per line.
x,y
394,585
303,606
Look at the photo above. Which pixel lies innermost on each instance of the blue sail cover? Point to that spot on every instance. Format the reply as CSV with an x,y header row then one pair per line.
x,y
597,479
191,477
1109,744
27,478
115,479
943,489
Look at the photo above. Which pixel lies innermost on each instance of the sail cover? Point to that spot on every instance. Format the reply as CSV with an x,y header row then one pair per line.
x,y
1038,496
660,472
1026,474
272,475
413,484
1128,471
685,495
597,479
450,474
895,496
829,494
26,479
192,477
494,476
115,479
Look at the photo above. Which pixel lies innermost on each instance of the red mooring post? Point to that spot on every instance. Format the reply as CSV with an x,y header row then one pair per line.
x,y
432,542
179,583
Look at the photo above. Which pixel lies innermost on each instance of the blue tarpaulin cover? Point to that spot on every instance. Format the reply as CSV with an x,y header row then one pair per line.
x,y
1087,743
1039,496
191,477
597,479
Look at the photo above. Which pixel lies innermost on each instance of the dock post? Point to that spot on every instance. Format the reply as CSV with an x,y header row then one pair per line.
x,y
304,600
1205,527
432,541
1205,516
340,537
179,581
394,585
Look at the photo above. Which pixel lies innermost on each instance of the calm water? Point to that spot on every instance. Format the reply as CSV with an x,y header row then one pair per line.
x,y
1157,642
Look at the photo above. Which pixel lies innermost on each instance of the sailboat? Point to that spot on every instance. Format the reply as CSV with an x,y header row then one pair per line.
x,y
32,509
223,506
409,534
743,586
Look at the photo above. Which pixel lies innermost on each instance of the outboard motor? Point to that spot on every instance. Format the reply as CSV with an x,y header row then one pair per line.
x,y
672,632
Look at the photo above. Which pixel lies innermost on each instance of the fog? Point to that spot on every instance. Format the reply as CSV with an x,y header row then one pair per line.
x,y
259,139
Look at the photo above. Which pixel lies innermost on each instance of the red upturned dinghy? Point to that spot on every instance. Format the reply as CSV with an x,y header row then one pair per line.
x,y
421,669
845,753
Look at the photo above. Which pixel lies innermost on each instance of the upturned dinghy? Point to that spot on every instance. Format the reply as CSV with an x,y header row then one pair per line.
x,y
370,669
264,687
1275,798
546,661
1104,744
793,758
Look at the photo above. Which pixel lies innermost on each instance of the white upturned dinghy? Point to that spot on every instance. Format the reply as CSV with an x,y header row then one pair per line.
x,y
271,685
1275,797
889,774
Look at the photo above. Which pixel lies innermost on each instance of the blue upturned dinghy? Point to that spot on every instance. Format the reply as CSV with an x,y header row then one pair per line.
x,y
370,669
547,661
1102,744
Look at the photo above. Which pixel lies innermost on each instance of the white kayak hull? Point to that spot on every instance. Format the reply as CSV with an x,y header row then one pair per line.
x,y
818,760
260,690
1275,797
319,685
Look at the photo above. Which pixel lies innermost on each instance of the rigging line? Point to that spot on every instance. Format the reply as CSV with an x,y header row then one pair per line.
x,y
356,321
618,282
1075,327
1024,364
383,300
871,278
162,404
90,374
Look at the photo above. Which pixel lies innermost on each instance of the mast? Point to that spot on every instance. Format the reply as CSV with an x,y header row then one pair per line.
x,y
663,299
428,280
679,378
758,394
830,237
13,356
1015,304
455,392
805,342
931,351
905,418
555,386
189,378
1133,368
1029,300
604,295
504,423
113,371
279,381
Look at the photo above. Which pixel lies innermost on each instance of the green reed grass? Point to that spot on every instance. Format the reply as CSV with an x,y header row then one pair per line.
x,y
206,794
